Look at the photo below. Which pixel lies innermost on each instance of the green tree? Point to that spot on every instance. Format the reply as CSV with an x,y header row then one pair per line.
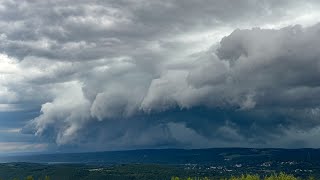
x,y
246,177
312,178
281,176
175,178
29,178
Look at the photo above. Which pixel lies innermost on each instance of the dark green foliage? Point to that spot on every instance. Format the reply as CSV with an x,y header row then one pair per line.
x,y
29,178
280,176
27,171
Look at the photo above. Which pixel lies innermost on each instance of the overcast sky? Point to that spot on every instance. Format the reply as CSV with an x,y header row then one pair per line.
x,y
90,75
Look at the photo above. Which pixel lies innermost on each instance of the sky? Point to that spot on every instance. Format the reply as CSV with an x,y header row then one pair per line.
x,y
93,75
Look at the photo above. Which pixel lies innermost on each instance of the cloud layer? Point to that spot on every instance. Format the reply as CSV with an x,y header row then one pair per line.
x,y
135,74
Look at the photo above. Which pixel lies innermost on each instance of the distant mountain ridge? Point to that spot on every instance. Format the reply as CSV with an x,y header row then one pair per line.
x,y
175,156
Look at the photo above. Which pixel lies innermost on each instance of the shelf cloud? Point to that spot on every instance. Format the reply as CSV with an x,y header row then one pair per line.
x,y
104,75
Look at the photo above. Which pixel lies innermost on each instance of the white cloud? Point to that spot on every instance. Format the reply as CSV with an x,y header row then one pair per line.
x,y
10,130
67,113
12,147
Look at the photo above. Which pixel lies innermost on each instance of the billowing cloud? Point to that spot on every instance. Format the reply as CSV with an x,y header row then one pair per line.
x,y
133,74
251,68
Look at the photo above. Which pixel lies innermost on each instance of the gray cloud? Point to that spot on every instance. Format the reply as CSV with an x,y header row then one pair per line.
x,y
97,70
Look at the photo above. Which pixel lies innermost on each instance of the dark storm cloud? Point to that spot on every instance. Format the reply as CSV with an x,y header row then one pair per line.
x,y
254,88
89,30
135,74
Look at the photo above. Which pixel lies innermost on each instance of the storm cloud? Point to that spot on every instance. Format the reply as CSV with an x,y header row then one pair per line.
x,y
138,74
